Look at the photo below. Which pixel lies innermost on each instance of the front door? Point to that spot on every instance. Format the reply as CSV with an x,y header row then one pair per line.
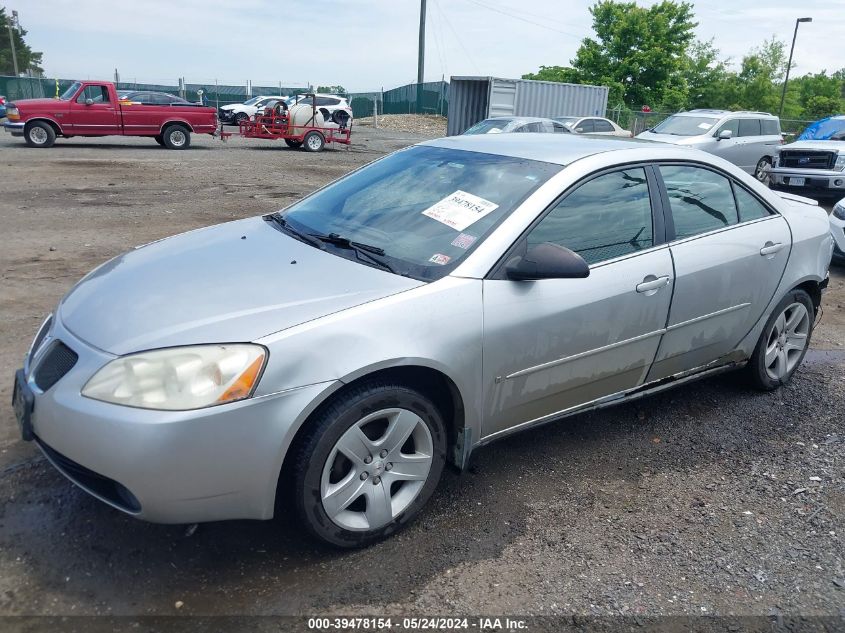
x,y
730,252
93,114
551,345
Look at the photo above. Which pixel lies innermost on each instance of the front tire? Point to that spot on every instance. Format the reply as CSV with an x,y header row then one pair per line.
x,y
371,461
39,134
783,342
176,137
763,170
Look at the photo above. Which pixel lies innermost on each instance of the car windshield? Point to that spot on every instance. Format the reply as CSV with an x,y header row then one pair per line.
x,y
566,120
252,101
421,210
489,126
67,95
686,125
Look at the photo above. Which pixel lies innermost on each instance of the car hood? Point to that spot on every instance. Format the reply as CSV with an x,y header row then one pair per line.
x,y
34,103
830,146
235,106
232,282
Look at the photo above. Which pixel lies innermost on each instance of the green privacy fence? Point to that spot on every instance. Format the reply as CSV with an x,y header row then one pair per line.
x,y
426,98
35,87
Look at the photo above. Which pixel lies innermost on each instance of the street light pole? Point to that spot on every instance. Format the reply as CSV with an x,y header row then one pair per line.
x,y
13,20
789,65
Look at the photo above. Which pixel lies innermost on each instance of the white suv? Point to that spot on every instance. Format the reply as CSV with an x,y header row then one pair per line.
x,y
234,113
746,139
332,107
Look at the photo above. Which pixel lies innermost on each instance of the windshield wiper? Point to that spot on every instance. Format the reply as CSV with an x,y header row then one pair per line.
x,y
372,253
288,228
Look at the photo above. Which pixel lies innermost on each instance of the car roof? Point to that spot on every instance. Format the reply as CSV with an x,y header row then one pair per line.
x,y
560,149
721,113
518,119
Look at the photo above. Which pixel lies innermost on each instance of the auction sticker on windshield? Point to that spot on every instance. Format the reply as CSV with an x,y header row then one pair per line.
x,y
460,209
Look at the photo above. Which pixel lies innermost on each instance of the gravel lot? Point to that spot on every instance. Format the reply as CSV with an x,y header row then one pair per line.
x,y
710,499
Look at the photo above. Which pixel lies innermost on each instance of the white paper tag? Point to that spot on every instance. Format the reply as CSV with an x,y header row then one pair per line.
x,y
460,209
705,126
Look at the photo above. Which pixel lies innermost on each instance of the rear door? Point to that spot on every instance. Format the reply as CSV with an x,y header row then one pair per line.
x,y
554,344
603,127
92,113
729,251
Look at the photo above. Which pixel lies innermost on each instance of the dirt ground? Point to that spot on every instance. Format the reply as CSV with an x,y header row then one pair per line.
x,y
709,499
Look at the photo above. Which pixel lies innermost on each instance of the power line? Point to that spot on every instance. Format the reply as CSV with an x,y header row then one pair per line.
x,y
518,17
457,37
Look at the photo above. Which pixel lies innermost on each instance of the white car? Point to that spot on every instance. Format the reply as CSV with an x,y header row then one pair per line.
x,y
592,125
837,229
520,124
333,108
234,113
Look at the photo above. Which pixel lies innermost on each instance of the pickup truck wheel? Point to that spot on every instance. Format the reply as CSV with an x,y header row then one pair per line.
x,y
294,144
314,141
159,139
763,170
177,137
39,134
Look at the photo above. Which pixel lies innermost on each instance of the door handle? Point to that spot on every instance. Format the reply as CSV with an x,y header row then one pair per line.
x,y
652,284
770,248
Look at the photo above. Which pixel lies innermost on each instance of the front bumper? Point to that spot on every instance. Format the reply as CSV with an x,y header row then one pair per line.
x,y
814,179
15,128
166,466
837,229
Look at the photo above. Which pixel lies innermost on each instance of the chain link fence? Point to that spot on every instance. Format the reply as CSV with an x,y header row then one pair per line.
x,y
427,98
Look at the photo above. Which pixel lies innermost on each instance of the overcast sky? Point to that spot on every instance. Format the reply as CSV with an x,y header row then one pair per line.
x,y
369,44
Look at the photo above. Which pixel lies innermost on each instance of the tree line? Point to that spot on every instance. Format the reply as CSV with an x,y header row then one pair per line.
x,y
650,56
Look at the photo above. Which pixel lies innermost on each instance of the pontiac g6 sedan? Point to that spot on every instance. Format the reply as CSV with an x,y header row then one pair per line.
x,y
334,356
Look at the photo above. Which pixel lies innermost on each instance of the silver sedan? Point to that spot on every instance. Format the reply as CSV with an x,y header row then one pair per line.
x,y
330,359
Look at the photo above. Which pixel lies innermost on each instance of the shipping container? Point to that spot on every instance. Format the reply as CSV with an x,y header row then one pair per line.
x,y
473,99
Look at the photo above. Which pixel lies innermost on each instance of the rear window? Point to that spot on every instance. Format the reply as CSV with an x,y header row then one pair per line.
x,y
749,127
771,127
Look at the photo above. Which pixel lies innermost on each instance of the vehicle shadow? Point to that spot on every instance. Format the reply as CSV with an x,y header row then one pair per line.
x,y
76,549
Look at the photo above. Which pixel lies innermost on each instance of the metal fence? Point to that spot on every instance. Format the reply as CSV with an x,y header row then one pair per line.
x,y
427,98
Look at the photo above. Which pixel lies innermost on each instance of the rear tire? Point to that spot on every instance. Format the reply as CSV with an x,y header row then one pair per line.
x,y
293,144
313,141
159,139
763,170
39,134
176,137
370,462
783,342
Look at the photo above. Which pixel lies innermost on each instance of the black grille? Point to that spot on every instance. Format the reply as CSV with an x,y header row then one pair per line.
x,y
57,361
807,159
92,482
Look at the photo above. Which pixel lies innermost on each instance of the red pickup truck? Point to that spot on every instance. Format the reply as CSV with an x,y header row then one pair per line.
x,y
92,108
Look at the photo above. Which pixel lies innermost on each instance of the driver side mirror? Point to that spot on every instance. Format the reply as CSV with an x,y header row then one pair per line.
x,y
725,135
547,261
89,102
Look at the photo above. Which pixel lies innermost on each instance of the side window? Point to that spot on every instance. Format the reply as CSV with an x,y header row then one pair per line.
x,y
749,127
732,125
750,208
534,127
559,128
701,200
603,126
586,127
607,217
771,127
98,94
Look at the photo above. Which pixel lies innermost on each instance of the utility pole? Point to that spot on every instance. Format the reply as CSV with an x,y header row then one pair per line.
x,y
10,22
421,56
789,64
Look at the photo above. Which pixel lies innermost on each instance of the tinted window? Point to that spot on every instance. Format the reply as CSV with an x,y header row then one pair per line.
x,y
603,126
606,217
770,127
749,127
732,125
531,127
327,101
585,127
98,94
701,200
559,128
750,208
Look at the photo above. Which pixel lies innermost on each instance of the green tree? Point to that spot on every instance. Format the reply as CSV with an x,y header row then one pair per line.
x,y
332,90
643,49
28,60
707,77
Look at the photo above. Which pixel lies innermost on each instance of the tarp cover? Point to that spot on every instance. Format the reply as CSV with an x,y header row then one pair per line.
x,y
825,130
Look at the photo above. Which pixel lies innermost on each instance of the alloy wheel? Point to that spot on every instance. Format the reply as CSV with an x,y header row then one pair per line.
x,y
376,469
38,135
786,341
177,138
763,171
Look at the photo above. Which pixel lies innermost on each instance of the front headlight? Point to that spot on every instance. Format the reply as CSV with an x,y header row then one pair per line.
x,y
12,113
839,165
180,378
839,210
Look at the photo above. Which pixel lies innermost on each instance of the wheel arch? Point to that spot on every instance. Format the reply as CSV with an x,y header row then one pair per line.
x,y
429,380
171,122
43,119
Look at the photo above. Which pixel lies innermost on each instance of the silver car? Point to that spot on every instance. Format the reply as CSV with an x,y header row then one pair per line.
x,y
747,139
335,356
507,124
